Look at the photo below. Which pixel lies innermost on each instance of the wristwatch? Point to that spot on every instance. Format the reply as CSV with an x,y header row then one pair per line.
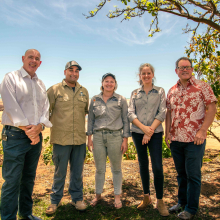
x,y
43,127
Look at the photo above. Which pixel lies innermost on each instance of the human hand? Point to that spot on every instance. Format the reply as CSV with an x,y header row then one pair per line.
x,y
145,139
90,145
148,130
24,128
168,140
33,131
200,137
35,140
124,145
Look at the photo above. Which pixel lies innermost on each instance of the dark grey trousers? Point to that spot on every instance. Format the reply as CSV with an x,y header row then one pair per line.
x,y
75,154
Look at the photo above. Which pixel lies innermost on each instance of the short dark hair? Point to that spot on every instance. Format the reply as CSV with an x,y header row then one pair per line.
x,y
183,58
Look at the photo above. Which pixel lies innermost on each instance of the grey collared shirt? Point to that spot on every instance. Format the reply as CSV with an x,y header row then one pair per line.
x,y
147,107
111,115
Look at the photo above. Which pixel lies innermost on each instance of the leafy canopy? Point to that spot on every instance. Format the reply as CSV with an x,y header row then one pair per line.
x,y
205,11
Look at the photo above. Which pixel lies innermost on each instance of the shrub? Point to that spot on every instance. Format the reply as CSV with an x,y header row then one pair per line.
x,y
130,154
166,153
48,151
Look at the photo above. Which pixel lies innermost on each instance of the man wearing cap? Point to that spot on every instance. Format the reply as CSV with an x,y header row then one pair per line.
x,y
26,112
68,107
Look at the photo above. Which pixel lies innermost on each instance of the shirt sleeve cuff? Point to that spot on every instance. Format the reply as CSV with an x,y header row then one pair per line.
x,y
24,122
127,135
132,117
46,122
89,133
160,118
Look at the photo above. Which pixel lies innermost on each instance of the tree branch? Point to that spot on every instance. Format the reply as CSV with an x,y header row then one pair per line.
x,y
217,138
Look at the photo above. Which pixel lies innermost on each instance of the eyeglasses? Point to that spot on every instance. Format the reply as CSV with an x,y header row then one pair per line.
x,y
184,67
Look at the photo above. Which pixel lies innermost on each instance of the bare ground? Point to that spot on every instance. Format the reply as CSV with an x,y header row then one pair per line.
x,y
132,189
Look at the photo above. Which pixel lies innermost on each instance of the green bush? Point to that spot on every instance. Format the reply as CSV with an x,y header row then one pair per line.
x,y
130,154
166,153
48,151
89,156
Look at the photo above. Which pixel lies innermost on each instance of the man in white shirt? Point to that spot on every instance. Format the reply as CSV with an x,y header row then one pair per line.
x,y
26,112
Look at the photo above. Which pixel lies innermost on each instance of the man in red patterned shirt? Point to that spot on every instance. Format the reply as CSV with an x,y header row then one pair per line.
x,y
191,108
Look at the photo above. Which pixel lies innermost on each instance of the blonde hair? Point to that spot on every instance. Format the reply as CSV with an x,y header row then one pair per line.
x,y
141,68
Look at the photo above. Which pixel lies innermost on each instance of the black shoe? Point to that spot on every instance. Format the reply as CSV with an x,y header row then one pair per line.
x,y
176,208
30,217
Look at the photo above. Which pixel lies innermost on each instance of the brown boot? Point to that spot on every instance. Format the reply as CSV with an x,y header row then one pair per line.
x,y
146,201
162,208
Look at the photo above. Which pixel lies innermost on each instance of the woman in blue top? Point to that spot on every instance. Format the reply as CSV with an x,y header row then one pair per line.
x,y
146,112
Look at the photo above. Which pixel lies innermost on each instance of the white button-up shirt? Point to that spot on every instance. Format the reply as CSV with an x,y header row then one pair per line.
x,y
25,100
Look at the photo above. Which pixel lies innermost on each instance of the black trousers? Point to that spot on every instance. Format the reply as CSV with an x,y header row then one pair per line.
x,y
155,149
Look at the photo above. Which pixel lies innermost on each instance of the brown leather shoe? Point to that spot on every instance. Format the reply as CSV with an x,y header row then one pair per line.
x,y
146,201
52,208
162,208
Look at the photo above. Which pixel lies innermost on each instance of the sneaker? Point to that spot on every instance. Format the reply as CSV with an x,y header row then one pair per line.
x,y
79,205
52,209
185,215
176,208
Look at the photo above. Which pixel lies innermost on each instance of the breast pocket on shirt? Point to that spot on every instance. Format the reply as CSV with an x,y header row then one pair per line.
x,y
62,102
154,99
139,102
98,109
82,102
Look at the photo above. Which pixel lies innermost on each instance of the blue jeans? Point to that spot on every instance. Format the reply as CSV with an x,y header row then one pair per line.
x,y
155,149
108,143
75,154
19,171
188,162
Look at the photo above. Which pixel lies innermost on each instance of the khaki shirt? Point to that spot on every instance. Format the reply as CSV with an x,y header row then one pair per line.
x,y
67,113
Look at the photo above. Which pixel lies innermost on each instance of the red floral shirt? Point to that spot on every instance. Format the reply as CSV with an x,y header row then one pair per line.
x,y
188,107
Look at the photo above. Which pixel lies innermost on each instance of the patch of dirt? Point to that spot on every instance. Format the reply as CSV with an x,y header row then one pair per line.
x,y
132,188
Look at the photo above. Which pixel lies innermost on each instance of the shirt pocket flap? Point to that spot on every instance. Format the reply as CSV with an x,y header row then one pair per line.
x,y
139,96
96,103
82,99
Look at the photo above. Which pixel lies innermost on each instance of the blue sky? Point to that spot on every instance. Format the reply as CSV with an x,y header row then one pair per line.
x,y
58,29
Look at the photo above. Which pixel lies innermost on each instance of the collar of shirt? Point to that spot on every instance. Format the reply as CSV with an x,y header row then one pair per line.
x,y
65,84
141,89
115,95
191,81
24,73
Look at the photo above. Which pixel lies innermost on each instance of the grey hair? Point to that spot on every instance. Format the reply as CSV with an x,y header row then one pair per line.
x,y
183,58
141,68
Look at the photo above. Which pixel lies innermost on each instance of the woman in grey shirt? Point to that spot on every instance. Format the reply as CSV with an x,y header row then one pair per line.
x,y
146,112
109,125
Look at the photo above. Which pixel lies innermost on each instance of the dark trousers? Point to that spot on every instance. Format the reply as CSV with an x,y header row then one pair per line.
x,y
19,171
75,155
155,149
188,162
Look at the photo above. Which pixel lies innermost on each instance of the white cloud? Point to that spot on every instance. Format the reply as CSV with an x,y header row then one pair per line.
x,y
67,14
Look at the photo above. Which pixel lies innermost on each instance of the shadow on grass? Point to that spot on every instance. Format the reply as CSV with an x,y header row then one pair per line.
x,y
102,211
